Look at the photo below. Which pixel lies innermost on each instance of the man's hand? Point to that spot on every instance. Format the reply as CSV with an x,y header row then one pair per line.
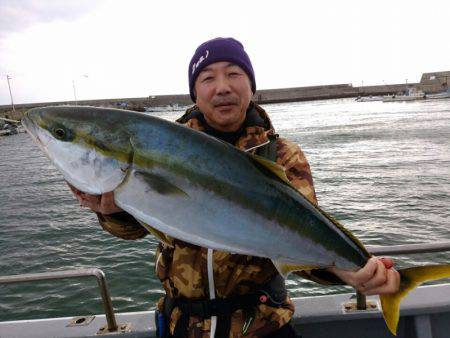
x,y
103,204
377,277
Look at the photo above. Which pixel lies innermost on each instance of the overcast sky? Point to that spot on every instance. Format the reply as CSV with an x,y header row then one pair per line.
x,y
114,49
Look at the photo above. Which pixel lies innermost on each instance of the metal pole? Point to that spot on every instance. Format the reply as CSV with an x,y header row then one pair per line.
x,y
361,303
97,273
107,303
74,92
409,248
10,93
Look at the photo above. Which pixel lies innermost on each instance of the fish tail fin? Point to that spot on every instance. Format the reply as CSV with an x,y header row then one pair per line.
x,y
410,278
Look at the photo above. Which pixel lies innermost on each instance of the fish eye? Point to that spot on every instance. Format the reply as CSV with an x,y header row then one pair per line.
x,y
60,133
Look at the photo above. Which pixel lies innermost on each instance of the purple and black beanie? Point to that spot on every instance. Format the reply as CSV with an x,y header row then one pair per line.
x,y
215,50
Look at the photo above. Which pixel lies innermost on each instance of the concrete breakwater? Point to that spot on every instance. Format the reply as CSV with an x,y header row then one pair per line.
x,y
429,83
261,96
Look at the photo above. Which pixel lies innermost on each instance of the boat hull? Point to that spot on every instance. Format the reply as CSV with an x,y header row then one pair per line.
x,y
425,313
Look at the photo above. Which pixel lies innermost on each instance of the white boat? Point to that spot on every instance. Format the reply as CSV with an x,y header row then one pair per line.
x,y
368,98
442,95
168,108
411,94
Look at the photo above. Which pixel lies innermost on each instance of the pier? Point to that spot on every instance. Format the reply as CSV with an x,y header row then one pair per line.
x,y
430,83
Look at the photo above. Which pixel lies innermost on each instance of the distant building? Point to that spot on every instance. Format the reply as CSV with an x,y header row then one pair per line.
x,y
435,82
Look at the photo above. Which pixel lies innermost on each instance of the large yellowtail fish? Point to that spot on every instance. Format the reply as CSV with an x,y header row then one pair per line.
x,y
184,184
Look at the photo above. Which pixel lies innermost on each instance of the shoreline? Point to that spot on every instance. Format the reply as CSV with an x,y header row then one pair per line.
x,y
264,96
430,83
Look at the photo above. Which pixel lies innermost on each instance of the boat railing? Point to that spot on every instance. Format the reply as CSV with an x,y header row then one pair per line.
x,y
106,298
404,249
94,272
409,248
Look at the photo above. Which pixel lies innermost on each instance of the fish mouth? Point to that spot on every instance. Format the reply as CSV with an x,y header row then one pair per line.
x,y
26,123
30,128
33,131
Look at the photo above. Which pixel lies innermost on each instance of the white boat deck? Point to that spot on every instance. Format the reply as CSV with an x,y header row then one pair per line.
x,y
425,313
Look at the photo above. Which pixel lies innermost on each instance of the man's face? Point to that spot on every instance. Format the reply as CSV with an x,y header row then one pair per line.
x,y
223,92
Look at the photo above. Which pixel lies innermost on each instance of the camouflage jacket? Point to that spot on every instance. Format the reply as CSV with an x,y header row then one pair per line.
x,y
182,267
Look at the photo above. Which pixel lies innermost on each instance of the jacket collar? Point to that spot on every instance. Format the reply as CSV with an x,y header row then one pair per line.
x,y
257,126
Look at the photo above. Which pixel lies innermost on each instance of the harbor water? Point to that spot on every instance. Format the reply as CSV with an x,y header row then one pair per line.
x,y
382,169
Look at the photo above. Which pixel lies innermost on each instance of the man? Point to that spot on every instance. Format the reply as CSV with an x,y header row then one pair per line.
x,y
218,293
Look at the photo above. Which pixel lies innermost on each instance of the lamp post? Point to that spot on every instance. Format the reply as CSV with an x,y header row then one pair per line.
x,y
10,93
75,89
74,92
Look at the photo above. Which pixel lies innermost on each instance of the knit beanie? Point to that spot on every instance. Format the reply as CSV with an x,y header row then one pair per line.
x,y
216,50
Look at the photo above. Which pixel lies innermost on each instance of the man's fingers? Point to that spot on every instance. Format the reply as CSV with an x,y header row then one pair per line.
x,y
378,279
90,205
103,204
366,273
93,199
107,199
388,262
357,278
391,286
90,201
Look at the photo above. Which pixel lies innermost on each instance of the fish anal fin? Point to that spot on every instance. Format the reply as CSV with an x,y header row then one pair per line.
x,y
158,234
273,167
410,278
285,268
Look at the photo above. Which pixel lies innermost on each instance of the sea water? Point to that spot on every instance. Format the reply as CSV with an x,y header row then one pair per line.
x,y
382,169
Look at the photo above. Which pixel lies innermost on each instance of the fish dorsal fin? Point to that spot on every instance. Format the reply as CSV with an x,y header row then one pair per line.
x,y
158,234
280,172
347,232
285,268
273,167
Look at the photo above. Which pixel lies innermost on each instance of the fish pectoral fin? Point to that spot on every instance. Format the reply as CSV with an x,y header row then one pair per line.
x,y
285,268
273,167
158,234
410,278
159,184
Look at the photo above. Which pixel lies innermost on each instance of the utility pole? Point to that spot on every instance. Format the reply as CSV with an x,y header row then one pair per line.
x,y
74,92
10,93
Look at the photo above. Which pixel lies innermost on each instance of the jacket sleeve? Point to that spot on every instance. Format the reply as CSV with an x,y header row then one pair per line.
x,y
292,158
122,225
